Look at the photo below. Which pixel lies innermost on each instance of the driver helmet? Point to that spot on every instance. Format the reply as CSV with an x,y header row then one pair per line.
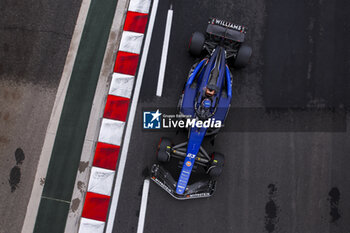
x,y
210,90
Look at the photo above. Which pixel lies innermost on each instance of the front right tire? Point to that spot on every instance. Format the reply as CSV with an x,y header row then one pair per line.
x,y
162,150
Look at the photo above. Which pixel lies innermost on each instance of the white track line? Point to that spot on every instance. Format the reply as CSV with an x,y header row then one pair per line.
x,y
143,207
130,121
164,52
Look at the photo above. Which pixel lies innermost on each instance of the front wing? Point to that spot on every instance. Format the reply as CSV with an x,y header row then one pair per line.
x,y
200,189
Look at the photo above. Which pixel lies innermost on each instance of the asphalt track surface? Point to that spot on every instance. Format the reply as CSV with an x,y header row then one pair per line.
x,y
275,179
67,149
34,41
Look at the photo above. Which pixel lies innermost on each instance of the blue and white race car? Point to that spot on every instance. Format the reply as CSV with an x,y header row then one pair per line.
x,y
206,97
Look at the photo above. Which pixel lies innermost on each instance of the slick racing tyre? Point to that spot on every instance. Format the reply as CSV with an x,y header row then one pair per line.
x,y
162,154
196,43
217,164
243,56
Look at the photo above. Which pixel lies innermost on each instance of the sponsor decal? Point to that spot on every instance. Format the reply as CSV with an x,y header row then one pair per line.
x,y
188,164
207,103
200,195
191,156
227,24
162,185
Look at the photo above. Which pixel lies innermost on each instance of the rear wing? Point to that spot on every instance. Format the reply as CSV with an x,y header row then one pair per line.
x,y
225,29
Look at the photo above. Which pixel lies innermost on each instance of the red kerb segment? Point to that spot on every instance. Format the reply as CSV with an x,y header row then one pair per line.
x,y
126,63
135,22
116,108
106,156
95,206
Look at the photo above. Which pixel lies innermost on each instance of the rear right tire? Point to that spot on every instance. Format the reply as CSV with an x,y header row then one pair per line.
x,y
196,43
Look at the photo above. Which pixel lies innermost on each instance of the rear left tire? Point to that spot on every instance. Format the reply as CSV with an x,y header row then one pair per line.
x,y
243,56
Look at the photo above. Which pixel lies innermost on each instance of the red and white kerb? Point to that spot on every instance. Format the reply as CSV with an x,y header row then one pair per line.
x,y
99,190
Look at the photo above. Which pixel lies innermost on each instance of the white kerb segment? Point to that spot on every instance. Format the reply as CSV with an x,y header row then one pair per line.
x,y
143,207
164,53
131,42
141,6
121,85
130,122
111,131
91,226
101,181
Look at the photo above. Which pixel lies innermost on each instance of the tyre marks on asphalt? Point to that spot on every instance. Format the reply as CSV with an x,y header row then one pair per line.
x,y
19,156
15,173
15,178
334,198
271,209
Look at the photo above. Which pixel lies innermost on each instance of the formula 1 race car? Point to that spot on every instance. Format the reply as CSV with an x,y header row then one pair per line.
x,y
206,97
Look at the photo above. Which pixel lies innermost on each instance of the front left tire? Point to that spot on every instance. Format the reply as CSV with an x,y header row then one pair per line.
x,y
217,165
